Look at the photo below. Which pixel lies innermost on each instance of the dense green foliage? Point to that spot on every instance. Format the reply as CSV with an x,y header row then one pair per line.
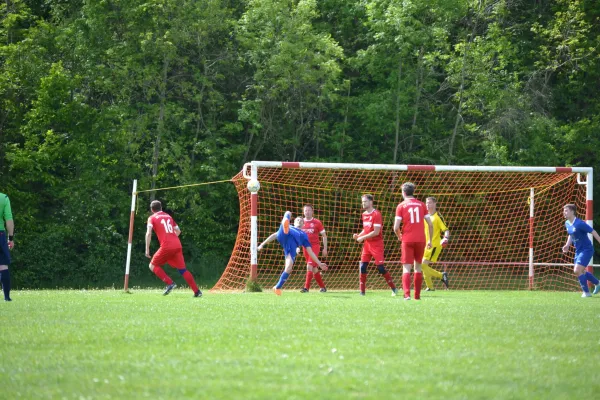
x,y
96,93
335,345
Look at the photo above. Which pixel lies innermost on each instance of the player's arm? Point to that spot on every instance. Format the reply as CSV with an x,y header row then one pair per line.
x,y
357,235
446,238
148,240
324,251
568,244
430,227
397,230
376,230
177,230
314,257
267,240
10,224
596,236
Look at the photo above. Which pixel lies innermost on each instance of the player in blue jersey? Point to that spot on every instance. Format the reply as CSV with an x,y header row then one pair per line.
x,y
290,238
584,248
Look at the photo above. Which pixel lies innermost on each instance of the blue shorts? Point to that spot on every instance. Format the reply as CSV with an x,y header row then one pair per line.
x,y
4,252
288,243
584,257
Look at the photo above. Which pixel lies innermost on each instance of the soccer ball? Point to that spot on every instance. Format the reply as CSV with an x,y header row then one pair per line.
x,y
253,185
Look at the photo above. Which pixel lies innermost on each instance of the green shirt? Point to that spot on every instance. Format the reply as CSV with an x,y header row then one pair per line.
x,y
5,211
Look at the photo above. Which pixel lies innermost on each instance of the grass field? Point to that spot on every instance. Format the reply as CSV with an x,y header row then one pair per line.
x,y
337,345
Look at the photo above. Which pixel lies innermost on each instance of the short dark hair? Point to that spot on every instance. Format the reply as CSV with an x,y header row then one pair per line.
x,y
156,206
408,188
571,207
308,205
367,196
432,199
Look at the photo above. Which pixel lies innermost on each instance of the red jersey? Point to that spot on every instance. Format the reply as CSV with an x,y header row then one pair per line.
x,y
370,221
164,226
412,213
313,228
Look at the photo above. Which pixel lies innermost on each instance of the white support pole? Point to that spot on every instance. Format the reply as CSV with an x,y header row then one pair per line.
x,y
531,232
589,211
130,240
254,227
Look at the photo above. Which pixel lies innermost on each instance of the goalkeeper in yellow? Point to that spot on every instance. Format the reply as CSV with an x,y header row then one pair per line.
x,y
437,243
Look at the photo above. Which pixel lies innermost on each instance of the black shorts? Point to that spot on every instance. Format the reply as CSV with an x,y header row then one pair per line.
x,y
4,252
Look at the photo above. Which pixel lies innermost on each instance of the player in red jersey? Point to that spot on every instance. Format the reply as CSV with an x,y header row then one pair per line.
x,y
313,228
413,214
170,251
372,237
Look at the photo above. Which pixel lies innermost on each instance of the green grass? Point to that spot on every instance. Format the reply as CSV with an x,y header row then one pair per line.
x,y
456,344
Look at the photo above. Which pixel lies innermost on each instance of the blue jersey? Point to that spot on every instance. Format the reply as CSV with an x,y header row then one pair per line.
x,y
578,230
292,240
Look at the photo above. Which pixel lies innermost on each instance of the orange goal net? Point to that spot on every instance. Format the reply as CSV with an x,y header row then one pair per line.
x,y
506,223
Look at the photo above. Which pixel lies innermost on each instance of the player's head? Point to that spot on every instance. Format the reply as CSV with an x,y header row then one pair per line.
x,y
308,211
155,206
367,201
431,204
299,222
569,211
408,189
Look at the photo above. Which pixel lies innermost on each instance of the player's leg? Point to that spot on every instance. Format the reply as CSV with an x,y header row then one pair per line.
x,y
581,260
5,281
365,258
158,260
309,271
4,263
289,265
407,259
319,279
418,249
177,261
427,275
284,228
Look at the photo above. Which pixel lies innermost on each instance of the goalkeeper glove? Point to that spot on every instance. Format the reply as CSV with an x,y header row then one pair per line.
x,y
444,242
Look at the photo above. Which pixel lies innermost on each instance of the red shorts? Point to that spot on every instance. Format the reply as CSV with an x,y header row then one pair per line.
x,y
173,257
412,251
309,261
372,250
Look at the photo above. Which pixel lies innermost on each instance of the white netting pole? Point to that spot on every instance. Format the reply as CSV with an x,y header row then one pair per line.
x,y
130,240
531,232
254,227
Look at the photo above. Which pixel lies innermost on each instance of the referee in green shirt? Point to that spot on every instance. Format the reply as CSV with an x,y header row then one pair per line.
x,y
6,243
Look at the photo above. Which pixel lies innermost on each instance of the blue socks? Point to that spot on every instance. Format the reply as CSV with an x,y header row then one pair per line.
x,y
590,277
583,282
5,280
282,280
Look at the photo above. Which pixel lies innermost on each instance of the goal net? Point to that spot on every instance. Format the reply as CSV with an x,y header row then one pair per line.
x,y
506,223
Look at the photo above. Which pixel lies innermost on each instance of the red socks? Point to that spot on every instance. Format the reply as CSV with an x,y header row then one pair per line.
x,y
309,276
418,284
158,271
319,280
190,281
363,282
388,279
406,284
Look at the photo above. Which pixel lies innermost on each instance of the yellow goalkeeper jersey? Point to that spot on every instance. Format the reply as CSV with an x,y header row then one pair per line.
x,y
439,227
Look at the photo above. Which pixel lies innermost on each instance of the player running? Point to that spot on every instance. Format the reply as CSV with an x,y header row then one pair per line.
x,y
412,213
584,248
313,228
290,238
372,237
431,255
170,250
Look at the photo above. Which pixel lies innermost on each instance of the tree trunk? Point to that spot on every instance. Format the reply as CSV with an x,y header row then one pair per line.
x,y
419,89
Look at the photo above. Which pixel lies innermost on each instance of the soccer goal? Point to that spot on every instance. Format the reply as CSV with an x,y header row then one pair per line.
x,y
506,223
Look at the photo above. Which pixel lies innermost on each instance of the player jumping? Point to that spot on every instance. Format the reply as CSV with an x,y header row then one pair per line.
x,y
290,238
